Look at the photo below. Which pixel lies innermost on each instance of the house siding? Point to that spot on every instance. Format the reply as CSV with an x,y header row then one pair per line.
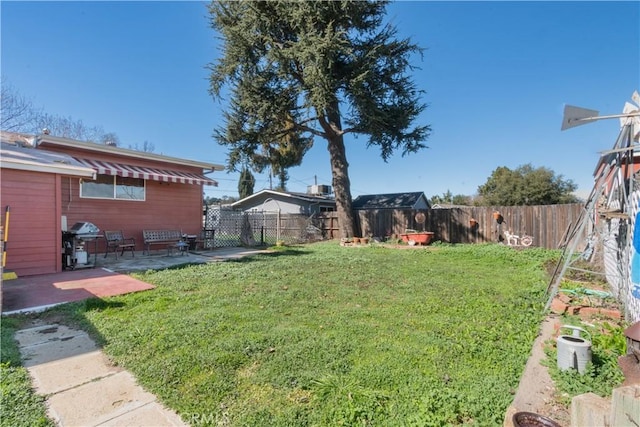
x,y
40,200
34,240
278,203
166,205
421,203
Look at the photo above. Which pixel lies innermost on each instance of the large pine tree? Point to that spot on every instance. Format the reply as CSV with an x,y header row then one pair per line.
x,y
305,69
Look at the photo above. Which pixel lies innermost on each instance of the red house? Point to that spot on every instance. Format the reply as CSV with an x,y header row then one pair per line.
x,y
51,183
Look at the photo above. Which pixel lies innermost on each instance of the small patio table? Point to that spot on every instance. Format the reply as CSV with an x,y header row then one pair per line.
x,y
182,246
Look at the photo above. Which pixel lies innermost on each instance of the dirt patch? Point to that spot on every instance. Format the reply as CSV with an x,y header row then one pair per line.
x,y
537,392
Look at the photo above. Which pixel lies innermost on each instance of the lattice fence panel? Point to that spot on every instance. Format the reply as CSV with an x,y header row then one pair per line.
x,y
227,224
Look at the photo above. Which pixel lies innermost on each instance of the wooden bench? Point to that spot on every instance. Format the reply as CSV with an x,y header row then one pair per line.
x,y
170,238
117,242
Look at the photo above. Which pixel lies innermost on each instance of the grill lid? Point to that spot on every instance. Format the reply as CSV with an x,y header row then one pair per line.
x,y
84,228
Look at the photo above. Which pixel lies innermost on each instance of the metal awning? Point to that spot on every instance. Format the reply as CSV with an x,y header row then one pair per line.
x,y
130,171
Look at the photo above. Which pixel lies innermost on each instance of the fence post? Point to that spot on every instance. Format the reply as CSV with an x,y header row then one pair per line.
x,y
278,226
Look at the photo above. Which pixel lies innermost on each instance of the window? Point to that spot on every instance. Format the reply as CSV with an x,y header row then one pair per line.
x,y
327,209
113,187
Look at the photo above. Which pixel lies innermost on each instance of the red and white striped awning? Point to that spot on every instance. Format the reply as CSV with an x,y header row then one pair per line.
x,y
163,175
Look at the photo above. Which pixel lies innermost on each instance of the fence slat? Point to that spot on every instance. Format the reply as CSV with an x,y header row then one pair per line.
x,y
547,224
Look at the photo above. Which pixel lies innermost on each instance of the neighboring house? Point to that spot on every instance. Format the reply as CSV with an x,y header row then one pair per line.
x,y
51,183
414,200
286,202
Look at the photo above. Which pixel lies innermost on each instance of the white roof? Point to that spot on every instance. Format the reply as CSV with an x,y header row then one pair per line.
x,y
15,156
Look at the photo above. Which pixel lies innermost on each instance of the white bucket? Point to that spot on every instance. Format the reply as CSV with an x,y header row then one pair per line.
x,y
573,350
81,257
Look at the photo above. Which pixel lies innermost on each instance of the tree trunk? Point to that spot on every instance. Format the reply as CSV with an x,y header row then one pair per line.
x,y
332,127
246,234
341,185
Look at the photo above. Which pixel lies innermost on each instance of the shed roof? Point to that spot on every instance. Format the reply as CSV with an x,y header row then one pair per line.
x,y
388,201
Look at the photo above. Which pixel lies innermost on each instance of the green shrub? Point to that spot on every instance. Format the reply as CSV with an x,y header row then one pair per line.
x,y
602,375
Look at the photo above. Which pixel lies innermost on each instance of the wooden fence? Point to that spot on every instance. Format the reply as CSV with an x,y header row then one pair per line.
x,y
547,224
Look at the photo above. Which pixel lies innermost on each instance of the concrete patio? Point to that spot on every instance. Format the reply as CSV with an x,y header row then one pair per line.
x,y
107,278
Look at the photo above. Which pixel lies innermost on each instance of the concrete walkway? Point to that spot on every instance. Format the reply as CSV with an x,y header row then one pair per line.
x,y
81,387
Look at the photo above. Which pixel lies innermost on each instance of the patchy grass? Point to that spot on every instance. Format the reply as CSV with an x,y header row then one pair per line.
x,y
325,335
19,406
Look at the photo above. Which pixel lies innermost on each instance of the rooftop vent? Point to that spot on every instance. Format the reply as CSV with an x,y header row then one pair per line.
x,y
319,190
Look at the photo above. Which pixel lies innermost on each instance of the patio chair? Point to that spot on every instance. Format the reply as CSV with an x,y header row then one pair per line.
x,y
206,239
117,242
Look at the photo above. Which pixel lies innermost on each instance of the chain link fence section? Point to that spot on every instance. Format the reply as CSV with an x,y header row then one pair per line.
x,y
267,227
270,227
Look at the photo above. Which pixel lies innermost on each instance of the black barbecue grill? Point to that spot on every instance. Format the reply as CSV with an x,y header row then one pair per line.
x,y
75,250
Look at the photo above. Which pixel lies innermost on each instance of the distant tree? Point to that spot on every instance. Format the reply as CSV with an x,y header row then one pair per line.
x,y
283,177
315,69
449,199
17,113
462,200
209,200
68,127
526,185
246,183
110,139
147,147
229,199
446,197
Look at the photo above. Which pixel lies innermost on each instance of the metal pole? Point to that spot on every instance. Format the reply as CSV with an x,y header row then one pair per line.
x,y
5,236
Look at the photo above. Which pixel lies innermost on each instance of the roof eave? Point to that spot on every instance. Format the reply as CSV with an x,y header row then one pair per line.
x,y
77,171
99,148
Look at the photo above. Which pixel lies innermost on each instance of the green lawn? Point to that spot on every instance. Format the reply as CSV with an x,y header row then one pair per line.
x,y
325,335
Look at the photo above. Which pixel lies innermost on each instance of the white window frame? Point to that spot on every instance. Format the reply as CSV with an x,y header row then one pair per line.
x,y
115,185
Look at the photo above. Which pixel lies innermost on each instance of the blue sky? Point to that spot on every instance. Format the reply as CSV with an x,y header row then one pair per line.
x,y
496,77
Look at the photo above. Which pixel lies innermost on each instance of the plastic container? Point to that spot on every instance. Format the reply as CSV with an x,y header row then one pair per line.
x,y
573,350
